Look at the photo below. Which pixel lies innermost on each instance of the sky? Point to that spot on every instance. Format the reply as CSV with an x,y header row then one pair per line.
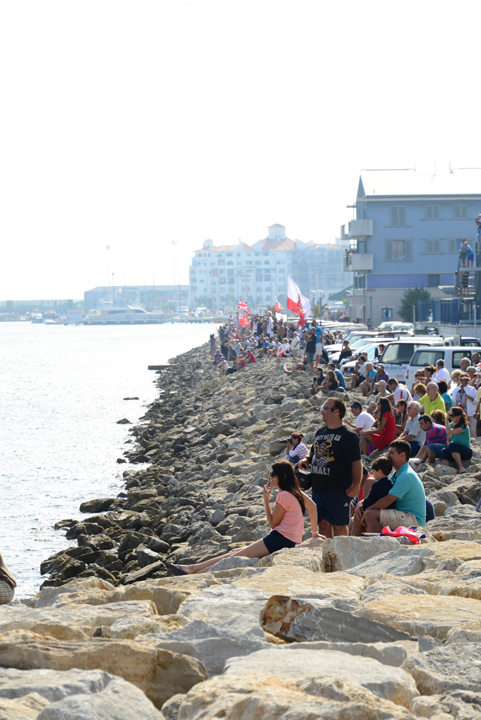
x,y
150,126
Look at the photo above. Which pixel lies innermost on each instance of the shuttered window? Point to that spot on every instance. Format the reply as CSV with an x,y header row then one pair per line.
x,y
398,250
398,216
432,212
433,247
460,212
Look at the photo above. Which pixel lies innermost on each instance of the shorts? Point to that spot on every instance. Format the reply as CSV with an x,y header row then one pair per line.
x,y
464,451
362,378
276,541
333,507
6,592
436,448
310,357
319,349
395,518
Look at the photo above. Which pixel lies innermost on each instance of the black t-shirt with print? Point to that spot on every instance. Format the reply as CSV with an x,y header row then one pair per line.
x,y
333,451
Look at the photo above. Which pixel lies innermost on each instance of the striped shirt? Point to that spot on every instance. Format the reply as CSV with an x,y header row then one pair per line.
x,y
436,434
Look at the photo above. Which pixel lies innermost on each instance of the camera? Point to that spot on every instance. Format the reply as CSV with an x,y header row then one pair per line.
x,y
285,441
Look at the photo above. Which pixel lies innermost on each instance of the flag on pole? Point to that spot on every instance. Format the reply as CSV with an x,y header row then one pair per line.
x,y
296,302
244,321
277,307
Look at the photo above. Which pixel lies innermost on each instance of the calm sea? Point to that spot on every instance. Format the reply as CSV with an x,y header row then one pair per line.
x,y
62,394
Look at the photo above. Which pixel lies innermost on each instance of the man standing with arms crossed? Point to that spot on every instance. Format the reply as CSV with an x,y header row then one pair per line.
x,y
336,470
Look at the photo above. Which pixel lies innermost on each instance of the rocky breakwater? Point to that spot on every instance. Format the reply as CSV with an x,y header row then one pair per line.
x,y
346,628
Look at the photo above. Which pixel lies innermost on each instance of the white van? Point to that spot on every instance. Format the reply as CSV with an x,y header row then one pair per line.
x,y
397,355
452,357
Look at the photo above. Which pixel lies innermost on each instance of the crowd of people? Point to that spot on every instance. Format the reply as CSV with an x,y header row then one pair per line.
x,y
435,418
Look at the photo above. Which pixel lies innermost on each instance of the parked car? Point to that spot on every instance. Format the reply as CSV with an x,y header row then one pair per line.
x,y
452,357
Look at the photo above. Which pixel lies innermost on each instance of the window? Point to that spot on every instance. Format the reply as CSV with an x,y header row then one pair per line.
x,y
432,212
398,216
230,262
387,313
434,280
398,250
266,262
460,212
421,358
433,246
230,272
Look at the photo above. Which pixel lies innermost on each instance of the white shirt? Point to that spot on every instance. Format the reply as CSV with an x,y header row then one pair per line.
x,y
412,428
364,421
443,374
467,397
401,393
295,342
362,369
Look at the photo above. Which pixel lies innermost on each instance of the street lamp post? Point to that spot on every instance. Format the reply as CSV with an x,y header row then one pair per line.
x,y
370,293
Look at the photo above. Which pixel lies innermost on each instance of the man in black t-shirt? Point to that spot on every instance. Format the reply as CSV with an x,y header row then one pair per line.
x,y
311,341
336,470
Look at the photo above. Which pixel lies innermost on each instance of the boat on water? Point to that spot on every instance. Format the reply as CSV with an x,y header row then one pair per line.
x,y
121,315
36,318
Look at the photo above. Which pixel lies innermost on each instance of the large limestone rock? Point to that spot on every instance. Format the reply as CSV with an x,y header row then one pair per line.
x,y
25,708
305,619
298,663
222,622
446,668
158,673
269,697
433,615
72,622
461,523
402,561
344,553
300,582
73,694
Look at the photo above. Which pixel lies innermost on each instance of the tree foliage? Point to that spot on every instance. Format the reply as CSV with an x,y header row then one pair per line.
x,y
410,300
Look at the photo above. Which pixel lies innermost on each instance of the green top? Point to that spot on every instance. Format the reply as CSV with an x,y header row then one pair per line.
x,y
409,491
463,438
431,405
448,400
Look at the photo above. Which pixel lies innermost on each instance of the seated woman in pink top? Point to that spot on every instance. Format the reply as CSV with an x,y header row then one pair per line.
x,y
286,520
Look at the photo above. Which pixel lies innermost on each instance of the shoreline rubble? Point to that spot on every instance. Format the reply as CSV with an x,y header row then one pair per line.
x,y
345,628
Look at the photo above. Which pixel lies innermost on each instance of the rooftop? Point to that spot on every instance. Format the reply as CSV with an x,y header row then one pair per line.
x,y
450,181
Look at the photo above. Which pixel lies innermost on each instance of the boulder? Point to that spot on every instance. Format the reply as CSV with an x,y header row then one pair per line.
x,y
446,668
222,622
433,615
402,561
97,505
292,662
72,622
344,553
301,619
158,673
71,694
267,696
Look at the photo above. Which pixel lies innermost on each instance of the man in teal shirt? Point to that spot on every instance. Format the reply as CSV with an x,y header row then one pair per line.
x,y
405,505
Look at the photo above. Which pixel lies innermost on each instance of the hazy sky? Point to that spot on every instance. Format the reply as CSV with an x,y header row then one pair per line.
x,y
139,124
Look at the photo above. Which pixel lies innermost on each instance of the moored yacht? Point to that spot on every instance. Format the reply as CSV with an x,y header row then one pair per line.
x,y
121,315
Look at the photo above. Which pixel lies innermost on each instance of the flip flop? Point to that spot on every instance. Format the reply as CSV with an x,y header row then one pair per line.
x,y
176,569
461,472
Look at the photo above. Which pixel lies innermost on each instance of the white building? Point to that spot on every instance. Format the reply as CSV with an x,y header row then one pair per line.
x,y
220,275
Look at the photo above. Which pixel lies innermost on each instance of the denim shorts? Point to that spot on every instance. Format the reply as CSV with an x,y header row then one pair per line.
x,y
310,357
436,448
276,541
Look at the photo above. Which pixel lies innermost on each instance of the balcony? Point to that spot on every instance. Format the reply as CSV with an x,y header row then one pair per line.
x,y
358,262
360,228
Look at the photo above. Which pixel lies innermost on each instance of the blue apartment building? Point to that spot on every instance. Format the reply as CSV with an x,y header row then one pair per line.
x,y
406,233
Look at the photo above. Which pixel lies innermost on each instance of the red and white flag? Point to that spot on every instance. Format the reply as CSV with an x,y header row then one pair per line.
x,y
296,302
277,307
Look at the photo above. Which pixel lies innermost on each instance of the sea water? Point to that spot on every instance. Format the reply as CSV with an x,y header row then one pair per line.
x,y
62,393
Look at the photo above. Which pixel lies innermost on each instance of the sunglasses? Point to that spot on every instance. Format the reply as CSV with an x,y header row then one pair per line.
x,y
325,409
